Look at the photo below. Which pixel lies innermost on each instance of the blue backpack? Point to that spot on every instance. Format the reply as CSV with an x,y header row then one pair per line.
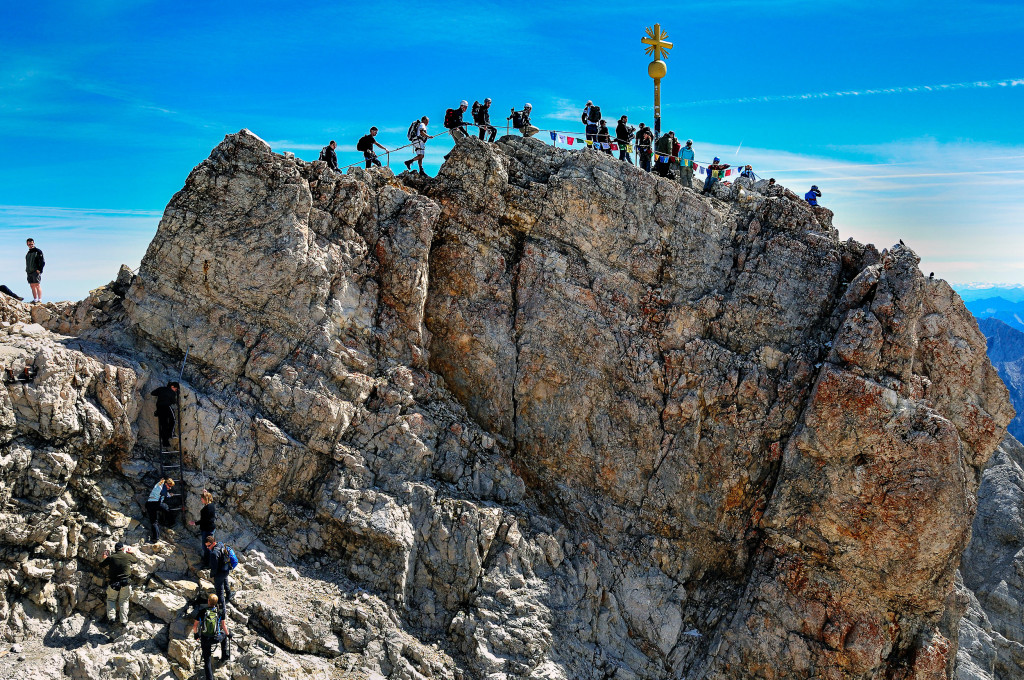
x,y
232,559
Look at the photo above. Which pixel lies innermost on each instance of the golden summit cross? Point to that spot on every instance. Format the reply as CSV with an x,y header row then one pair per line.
x,y
657,43
657,46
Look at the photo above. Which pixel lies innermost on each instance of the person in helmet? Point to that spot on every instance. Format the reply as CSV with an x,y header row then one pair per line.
x,y
521,121
482,117
813,195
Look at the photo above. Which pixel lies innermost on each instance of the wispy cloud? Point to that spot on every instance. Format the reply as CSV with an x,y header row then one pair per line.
x,y
909,89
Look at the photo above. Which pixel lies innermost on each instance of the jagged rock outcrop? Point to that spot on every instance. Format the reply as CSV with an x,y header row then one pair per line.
x,y
543,416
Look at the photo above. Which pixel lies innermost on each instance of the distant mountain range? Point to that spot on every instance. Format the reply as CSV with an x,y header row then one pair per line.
x,y
969,292
1006,352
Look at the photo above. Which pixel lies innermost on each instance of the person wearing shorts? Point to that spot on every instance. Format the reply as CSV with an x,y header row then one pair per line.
x,y
34,264
419,145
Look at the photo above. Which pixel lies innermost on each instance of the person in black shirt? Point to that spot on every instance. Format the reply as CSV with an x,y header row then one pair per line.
x,y
624,135
166,400
208,640
328,154
482,117
119,587
34,264
366,144
220,567
207,523
605,138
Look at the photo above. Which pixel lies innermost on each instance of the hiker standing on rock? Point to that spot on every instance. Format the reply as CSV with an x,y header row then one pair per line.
x,y
34,264
220,567
663,147
418,136
166,400
521,121
328,154
155,503
210,627
604,136
644,142
366,144
207,523
482,117
454,123
686,161
119,585
623,135
591,118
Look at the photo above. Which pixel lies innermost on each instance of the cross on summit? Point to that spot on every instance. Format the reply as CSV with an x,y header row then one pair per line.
x,y
657,42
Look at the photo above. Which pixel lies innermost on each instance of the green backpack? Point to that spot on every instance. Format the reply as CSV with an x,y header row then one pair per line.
x,y
209,627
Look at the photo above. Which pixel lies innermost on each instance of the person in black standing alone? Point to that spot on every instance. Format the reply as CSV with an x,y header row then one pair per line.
x,y
34,264
166,400
207,523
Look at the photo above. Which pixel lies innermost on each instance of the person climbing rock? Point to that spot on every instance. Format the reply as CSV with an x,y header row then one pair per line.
x,y
604,136
157,502
624,135
207,523
209,628
482,117
329,154
166,401
366,144
34,264
119,584
418,136
686,163
521,121
220,568
813,195
714,169
644,143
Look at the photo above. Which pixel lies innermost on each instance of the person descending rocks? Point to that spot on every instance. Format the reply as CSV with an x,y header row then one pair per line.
x,y
417,134
604,137
166,401
207,523
686,164
157,502
644,146
521,121
119,583
714,169
366,144
329,155
209,628
34,264
454,123
482,117
624,134
221,563
813,195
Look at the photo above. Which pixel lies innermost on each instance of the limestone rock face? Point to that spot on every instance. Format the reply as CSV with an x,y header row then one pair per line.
x,y
543,416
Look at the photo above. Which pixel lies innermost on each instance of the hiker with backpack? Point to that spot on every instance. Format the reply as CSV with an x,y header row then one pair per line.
x,y
686,160
714,170
591,118
209,628
674,163
644,144
417,134
222,561
366,144
454,123
119,584
156,502
482,117
604,137
623,135
521,121
328,154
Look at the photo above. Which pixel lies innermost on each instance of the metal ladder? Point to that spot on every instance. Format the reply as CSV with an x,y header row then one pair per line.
x,y
172,461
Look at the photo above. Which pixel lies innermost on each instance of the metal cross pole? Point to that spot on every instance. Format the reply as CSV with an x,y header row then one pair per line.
x,y
657,46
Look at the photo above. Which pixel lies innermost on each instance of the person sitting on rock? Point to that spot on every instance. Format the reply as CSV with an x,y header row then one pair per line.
x,y
220,567
119,584
328,154
166,400
714,170
10,293
366,144
813,195
155,503
418,137
210,627
748,172
521,121
482,117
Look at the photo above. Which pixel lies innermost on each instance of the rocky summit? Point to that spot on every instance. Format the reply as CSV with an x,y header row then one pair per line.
x,y
544,416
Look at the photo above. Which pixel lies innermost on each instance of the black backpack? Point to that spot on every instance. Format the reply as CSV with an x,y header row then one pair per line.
x,y
595,114
365,143
517,119
323,152
413,134
476,110
451,118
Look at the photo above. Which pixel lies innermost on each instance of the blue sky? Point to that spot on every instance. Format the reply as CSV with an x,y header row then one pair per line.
x,y
907,115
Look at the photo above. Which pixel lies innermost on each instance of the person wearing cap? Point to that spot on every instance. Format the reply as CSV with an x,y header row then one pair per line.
x,y
119,585
686,163
482,117
813,195
521,121
715,167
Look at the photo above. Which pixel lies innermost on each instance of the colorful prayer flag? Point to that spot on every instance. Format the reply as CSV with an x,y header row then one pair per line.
x,y
728,172
629,148
590,142
561,138
553,136
569,140
615,147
